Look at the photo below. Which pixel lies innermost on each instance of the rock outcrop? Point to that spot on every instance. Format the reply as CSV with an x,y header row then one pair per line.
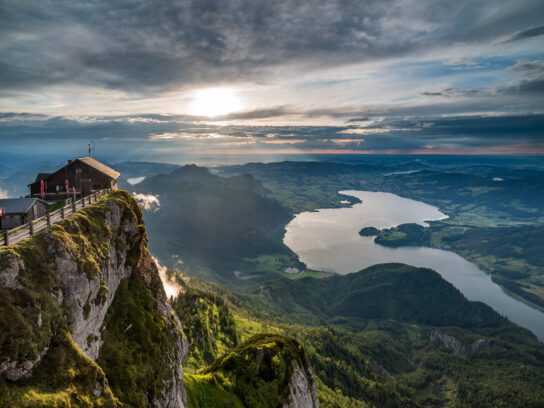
x,y
64,281
458,347
269,370
301,390
86,297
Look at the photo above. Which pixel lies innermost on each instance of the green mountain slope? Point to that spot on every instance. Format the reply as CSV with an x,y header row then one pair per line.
x,y
214,224
512,255
387,291
461,353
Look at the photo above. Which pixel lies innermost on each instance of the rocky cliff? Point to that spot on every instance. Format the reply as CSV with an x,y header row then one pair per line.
x,y
84,319
301,390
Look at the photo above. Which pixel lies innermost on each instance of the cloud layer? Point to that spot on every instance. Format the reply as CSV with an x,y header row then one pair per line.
x,y
169,138
149,45
522,35
322,75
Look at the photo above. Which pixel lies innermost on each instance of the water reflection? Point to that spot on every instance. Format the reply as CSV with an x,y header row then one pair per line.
x,y
329,239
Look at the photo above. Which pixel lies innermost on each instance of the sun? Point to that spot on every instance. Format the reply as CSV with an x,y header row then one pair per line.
x,y
215,102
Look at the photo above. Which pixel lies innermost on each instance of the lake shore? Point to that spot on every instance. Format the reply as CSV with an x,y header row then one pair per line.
x,y
328,239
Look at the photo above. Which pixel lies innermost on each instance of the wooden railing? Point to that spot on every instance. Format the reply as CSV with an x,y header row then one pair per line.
x,y
37,225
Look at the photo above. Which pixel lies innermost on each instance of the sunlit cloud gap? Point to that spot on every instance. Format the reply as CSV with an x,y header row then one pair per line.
x,y
214,102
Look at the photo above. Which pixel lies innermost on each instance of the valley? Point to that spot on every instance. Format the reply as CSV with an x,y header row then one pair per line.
x,y
272,289
477,205
328,239
279,290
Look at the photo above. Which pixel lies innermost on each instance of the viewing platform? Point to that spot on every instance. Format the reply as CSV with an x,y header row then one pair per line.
x,y
15,235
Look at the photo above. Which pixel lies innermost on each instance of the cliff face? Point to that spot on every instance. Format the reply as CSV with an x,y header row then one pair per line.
x,y
301,390
462,347
61,293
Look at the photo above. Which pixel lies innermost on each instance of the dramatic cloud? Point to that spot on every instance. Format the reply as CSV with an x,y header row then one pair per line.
x,y
527,66
531,84
522,35
148,202
335,75
150,45
180,142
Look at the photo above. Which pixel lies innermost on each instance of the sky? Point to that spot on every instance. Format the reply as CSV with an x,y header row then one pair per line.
x,y
176,79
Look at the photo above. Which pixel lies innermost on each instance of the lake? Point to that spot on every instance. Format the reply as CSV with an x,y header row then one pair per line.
x,y
328,239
